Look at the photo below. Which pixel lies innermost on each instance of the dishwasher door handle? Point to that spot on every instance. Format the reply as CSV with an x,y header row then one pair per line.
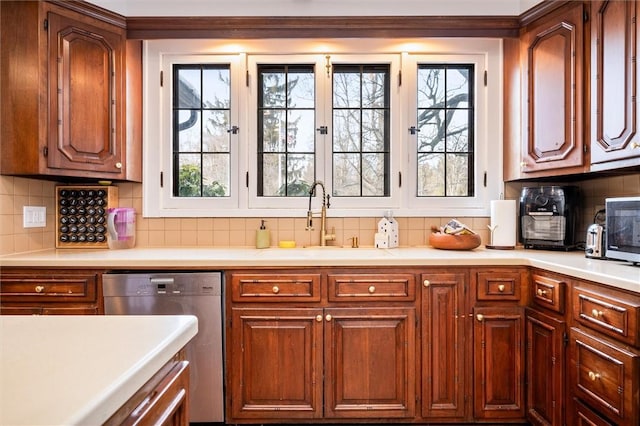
x,y
162,280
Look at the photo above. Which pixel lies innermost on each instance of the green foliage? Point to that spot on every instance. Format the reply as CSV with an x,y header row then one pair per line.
x,y
297,188
189,180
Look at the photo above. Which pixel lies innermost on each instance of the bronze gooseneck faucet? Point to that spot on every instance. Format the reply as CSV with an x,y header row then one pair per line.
x,y
324,237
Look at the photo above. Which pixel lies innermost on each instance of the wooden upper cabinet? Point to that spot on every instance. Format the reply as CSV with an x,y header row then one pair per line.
x,y
552,52
614,77
85,96
66,98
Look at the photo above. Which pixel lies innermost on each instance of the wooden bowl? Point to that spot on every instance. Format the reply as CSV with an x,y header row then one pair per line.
x,y
454,242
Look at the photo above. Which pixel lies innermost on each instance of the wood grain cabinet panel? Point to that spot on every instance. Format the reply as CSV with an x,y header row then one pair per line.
x,y
614,84
445,329
275,287
545,370
498,284
277,363
370,363
548,292
498,361
372,287
552,82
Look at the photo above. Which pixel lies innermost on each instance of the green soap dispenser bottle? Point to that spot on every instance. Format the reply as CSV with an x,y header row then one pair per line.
x,y
263,238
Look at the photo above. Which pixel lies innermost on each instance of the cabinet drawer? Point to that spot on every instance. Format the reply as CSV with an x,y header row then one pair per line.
x,y
275,287
548,292
615,313
57,287
498,284
383,287
584,416
606,376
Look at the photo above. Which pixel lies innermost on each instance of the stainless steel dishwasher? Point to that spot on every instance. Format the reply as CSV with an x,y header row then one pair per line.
x,y
180,293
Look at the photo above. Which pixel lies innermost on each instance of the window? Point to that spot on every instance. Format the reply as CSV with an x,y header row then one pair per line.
x,y
401,126
361,130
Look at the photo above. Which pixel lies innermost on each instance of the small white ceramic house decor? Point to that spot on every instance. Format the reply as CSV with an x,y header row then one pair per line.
x,y
388,226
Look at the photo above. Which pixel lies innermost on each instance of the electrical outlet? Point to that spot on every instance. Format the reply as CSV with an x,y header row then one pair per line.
x,y
34,217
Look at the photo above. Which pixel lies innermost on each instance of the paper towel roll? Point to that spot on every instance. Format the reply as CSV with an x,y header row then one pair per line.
x,y
503,224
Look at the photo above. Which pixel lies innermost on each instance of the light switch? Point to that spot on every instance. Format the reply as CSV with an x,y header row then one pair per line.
x,y
34,217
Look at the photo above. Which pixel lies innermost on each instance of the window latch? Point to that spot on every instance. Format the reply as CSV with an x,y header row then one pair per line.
x,y
233,130
323,130
413,130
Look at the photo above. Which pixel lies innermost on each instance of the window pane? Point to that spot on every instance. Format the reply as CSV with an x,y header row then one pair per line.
x,y
346,89
373,90
458,131
301,131
189,84
361,127
373,130
216,90
446,130
273,130
430,175
216,171
430,88
215,135
286,120
189,131
457,175
346,175
373,179
189,175
346,130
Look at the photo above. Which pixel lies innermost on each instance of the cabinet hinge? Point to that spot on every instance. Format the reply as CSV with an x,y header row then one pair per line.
x,y
565,339
45,24
161,179
485,78
45,151
585,16
161,79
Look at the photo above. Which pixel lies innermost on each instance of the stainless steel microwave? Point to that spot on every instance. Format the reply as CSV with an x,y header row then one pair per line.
x,y
623,228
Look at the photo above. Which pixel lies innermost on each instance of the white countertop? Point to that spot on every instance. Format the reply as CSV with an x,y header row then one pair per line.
x,y
78,370
619,274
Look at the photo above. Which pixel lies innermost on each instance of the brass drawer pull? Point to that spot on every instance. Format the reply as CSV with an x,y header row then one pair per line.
x,y
275,289
541,292
596,313
318,317
372,289
426,283
501,288
39,288
328,317
593,376
480,317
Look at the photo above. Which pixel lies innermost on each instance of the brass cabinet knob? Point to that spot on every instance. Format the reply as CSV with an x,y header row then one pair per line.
x,y
596,313
426,283
118,165
372,289
318,317
480,317
594,376
541,292
39,288
275,289
501,288
523,164
328,317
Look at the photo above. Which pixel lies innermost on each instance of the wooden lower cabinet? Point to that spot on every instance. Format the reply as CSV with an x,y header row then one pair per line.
x,y
367,358
498,362
445,369
545,370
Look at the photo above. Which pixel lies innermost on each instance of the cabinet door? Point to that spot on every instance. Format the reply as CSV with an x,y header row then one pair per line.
x,y
275,369
444,370
85,97
498,336
370,363
614,79
545,369
553,92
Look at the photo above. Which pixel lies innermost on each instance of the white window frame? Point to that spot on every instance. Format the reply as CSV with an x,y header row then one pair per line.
x,y
243,202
